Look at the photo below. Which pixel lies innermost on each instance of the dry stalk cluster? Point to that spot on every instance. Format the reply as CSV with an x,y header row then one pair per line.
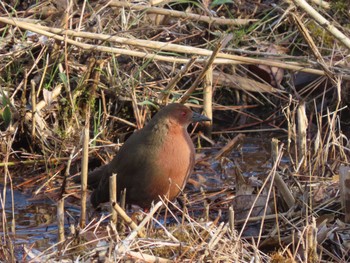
x,y
78,76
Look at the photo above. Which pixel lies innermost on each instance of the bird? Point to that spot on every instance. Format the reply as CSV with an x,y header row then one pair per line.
x,y
155,161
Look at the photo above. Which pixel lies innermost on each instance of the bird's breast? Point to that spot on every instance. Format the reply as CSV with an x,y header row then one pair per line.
x,y
175,162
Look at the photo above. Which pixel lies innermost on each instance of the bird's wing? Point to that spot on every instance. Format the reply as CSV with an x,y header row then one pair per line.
x,y
136,153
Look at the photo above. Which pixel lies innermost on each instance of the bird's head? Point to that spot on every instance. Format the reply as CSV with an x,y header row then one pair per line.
x,y
179,114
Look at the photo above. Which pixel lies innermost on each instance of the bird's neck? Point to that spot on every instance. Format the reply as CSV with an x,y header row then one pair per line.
x,y
163,130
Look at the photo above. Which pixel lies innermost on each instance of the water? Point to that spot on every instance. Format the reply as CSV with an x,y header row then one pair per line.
x,y
35,220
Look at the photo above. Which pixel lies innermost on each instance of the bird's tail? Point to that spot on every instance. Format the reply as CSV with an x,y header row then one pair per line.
x,y
94,177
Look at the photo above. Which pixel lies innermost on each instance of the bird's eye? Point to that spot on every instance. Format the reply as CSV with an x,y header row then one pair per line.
x,y
183,113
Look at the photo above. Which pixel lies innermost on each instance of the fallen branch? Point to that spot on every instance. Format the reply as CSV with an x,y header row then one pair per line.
x,y
185,15
222,58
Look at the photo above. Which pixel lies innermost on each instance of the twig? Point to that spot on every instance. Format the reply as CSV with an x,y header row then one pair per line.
x,y
164,95
208,101
113,197
301,136
29,162
60,220
313,46
32,84
228,147
84,168
278,181
60,202
207,65
126,218
185,15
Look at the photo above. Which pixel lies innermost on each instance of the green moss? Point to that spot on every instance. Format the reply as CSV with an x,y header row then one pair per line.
x,y
320,35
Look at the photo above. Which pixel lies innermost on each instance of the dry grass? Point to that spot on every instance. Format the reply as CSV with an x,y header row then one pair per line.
x,y
274,72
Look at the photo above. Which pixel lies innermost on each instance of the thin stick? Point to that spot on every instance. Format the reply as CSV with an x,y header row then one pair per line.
x,y
179,14
84,168
33,95
60,220
208,101
164,95
113,197
123,198
195,84
274,149
229,146
314,49
301,136
60,203
30,162
282,187
231,220
126,218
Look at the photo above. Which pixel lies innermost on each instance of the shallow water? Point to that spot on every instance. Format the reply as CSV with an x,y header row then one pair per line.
x,y
35,221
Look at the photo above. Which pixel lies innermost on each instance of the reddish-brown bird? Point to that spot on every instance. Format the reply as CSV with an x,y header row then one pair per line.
x,y
155,161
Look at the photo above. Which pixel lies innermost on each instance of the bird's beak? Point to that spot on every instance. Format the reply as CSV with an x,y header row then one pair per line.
x,y
196,117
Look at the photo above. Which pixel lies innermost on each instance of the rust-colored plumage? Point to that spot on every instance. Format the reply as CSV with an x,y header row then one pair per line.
x,y
155,161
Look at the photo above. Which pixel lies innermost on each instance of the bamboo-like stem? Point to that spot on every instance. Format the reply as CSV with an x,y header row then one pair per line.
x,y
84,168
113,197
123,198
274,149
231,220
208,101
179,14
283,188
311,242
60,220
301,134
33,95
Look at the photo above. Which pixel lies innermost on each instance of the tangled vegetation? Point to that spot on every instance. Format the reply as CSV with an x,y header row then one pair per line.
x,y
271,72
